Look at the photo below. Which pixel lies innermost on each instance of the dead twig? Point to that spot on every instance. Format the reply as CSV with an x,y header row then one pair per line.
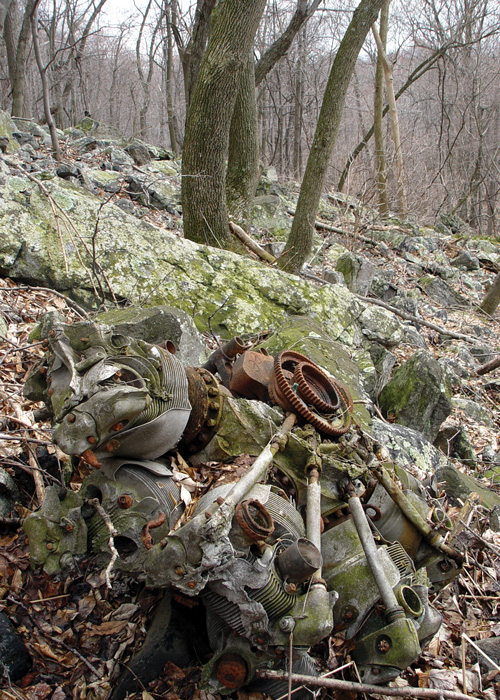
x,y
489,366
481,539
337,684
111,541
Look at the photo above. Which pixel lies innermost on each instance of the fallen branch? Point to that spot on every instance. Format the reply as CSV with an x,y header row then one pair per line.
x,y
72,304
484,542
420,321
251,244
406,692
489,366
111,541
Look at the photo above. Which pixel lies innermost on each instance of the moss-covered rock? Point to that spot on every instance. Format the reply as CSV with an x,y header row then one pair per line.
x,y
418,395
7,126
459,485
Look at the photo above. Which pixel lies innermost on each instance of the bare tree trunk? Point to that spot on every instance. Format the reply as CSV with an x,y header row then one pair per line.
x,y
17,47
299,243
168,61
492,298
243,164
298,106
206,143
45,86
378,125
393,113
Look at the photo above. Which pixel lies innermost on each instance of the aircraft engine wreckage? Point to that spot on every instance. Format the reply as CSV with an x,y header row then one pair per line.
x,y
316,536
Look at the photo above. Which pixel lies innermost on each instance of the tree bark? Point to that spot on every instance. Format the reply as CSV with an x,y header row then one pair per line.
x,y
378,125
299,243
206,144
243,169
396,136
492,299
17,48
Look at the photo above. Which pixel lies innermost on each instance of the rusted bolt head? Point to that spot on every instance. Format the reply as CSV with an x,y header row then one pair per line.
x,y
191,584
383,645
207,379
91,439
211,422
45,342
179,571
71,417
214,406
124,501
52,333
220,500
49,546
231,671
208,514
117,426
212,391
348,615
112,445
69,527
290,588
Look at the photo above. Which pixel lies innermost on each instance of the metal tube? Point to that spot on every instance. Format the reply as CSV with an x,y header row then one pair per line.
x,y
394,610
313,515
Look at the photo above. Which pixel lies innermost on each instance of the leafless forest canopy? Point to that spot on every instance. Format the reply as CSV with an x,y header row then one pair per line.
x,y
123,67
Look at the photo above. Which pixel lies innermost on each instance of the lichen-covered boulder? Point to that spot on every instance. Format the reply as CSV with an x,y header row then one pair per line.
x,y
408,448
358,272
139,263
7,126
418,395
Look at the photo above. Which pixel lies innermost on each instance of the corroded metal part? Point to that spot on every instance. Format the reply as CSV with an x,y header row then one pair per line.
x,y
251,374
221,360
283,390
207,403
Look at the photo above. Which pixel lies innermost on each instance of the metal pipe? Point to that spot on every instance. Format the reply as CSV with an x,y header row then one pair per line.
x,y
313,514
432,537
393,609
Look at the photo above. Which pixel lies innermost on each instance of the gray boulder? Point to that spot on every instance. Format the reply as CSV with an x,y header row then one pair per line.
x,y
418,395
358,272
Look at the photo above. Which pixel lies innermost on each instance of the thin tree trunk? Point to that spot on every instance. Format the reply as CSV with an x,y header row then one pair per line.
x,y
168,58
45,86
378,125
299,243
492,298
396,136
17,53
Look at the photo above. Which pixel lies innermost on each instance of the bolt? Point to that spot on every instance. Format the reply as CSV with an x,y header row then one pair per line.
x,y
43,371
220,500
112,445
71,417
348,615
375,671
91,439
52,333
214,406
50,392
49,546
383,646
212,391
45,342
211,422
207,379
179,571
191,584
69,527
208,514
117,426
290,588
444,565
124,501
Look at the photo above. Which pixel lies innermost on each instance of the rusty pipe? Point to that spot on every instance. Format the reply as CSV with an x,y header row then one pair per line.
x,y
432,537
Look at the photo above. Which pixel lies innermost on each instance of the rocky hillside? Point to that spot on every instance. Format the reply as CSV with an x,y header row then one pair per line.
x,y
390,307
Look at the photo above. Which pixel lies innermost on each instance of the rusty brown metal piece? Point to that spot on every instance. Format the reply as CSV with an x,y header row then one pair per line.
x,y
89,457
146,535
251,374
221,359
231,671
281,391
206,409
255,520
315,388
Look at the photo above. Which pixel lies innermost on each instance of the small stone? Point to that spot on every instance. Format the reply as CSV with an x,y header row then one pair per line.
x,y
466,261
